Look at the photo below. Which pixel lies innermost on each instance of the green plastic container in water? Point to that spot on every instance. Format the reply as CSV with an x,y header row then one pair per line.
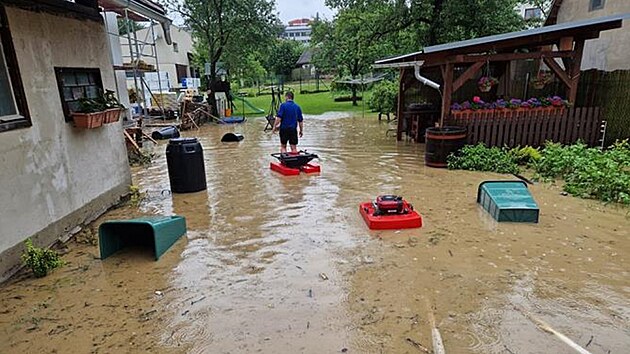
x,y
159,233
508,201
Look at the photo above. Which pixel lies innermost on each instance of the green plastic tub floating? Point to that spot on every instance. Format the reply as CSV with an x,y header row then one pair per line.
x,y
159,233
508,201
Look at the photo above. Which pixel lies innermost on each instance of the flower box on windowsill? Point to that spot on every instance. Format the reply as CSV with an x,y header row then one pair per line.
x,y
506,111
112,115
88,120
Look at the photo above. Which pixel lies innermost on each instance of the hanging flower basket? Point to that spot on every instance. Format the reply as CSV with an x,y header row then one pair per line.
x,y
486,83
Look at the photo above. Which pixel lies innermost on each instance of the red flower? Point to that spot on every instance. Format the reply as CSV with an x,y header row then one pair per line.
x,y
477,99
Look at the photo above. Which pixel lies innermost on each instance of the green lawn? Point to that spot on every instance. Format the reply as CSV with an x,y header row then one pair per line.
x,y
314,103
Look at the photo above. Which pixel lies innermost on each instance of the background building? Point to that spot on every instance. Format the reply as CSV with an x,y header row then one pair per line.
x,y
609,52
174,61
298,30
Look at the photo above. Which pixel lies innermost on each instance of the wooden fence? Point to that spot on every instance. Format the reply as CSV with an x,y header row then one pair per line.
x,y
531,127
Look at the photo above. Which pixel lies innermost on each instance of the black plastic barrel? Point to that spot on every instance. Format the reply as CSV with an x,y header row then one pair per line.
x,y
441,142
165,133
186,170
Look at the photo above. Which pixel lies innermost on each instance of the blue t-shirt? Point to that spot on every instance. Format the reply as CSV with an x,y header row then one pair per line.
x,y
290,114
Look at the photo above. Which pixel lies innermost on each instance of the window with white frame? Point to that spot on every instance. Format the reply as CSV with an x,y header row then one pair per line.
x,y
13,109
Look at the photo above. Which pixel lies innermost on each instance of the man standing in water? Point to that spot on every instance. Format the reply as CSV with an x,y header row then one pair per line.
x,y
288,119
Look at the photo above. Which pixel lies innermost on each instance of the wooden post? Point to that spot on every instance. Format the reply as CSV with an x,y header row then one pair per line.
x,y
574,74
399,108
447,76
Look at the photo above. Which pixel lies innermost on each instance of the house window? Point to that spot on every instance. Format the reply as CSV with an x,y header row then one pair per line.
x,y
13,108
75,84
175,47
533,13
596,5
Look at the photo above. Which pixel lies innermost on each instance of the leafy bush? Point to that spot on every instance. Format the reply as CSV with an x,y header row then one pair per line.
x,y
383,97
589,172
526,155
40,260
480,158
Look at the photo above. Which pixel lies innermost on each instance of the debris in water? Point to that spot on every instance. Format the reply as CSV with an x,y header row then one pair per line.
x,y
323,276
344,350
564,194
196,301
451,253
413,241
310,292
368,260
399,245
418,345
159,293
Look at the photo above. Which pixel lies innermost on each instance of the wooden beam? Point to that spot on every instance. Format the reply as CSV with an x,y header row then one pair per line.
x,y
467,75
512,56
575,70
447,75
399,108
566,43
555,67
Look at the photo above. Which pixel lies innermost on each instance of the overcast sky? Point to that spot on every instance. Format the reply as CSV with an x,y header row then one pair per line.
x,y
292,9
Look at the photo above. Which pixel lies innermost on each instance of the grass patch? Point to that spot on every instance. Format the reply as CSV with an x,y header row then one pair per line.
x,y
311,103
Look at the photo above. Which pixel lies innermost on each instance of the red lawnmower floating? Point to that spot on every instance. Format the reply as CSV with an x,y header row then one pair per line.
x,y
390,212
291,164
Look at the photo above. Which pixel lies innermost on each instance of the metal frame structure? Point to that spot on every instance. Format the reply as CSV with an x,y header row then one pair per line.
x,y
139,11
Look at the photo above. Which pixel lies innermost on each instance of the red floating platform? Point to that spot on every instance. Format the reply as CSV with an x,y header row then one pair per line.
x,y
409,220
311,168
284,170
288,171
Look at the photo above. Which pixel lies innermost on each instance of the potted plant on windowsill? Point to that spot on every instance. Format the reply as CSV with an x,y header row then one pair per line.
x,y
94,112
113,108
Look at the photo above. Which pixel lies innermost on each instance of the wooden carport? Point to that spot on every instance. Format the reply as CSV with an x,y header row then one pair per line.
x,y
560,47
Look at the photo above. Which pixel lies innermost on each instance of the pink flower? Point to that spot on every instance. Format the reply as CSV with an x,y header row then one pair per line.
x,y
476,99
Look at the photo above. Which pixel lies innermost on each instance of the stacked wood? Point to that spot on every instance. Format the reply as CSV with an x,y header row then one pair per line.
x,y
195,114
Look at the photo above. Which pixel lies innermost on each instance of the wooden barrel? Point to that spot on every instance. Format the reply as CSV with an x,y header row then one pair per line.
x,y
441,142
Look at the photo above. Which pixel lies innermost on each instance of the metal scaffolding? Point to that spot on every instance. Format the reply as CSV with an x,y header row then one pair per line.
x,y
139,49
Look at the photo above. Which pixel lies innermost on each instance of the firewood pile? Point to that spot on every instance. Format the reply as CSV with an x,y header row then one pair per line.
x,y
195,114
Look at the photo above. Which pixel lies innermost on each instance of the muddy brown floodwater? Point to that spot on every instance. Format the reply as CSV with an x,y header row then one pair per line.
x,y
276,264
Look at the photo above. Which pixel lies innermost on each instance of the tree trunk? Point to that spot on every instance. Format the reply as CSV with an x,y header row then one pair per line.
x,y
433,30
354,95
211,85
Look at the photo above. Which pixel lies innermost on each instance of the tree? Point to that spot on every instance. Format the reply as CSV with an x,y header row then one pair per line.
x,y
283,56
229,28
355,39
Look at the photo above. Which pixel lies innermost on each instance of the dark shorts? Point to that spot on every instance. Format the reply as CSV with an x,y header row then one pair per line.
x,y
288,135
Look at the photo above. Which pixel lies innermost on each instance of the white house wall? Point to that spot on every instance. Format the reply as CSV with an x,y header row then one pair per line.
x,y
610,51
54,176
167,57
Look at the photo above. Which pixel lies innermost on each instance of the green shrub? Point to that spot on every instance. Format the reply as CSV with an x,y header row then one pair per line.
x,y
383,97
480,158
40,260
589,172
526,155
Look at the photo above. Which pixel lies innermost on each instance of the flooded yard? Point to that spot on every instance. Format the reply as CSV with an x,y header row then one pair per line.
x,y
277,264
